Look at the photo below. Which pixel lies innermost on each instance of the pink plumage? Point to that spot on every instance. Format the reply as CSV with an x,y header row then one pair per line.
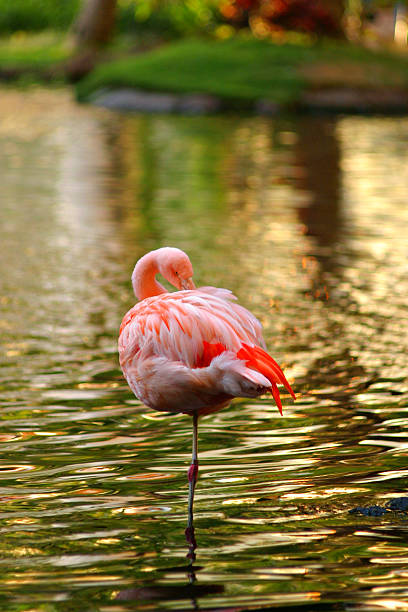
x,y
193,350
166,340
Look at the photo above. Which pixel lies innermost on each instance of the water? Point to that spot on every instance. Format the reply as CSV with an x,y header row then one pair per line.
x,y
306,220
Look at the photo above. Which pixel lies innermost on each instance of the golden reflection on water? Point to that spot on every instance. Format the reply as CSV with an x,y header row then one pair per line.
x,y
305,220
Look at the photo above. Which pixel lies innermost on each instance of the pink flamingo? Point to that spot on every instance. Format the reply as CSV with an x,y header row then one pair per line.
x,y
194,350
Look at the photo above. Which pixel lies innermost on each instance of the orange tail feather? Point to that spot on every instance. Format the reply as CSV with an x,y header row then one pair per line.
x,y
260,360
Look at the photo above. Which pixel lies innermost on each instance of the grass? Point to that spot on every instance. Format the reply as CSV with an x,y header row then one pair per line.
x,y
247,69
27,52
234,69
238,70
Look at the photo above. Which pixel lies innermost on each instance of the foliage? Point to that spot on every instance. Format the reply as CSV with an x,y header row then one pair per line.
x,y
171,17
309,16
36,15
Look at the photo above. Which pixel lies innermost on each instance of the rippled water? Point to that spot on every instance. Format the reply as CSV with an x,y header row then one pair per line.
x,y
306,220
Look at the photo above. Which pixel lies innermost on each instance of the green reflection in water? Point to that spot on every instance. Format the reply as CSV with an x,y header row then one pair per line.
x,y
305,219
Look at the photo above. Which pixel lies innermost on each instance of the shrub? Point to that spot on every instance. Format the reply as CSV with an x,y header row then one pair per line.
x,y
35,15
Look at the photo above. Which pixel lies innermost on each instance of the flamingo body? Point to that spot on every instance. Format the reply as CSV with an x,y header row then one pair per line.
x,y
193,350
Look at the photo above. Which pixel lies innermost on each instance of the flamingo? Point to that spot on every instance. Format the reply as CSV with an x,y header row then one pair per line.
x,y
191,351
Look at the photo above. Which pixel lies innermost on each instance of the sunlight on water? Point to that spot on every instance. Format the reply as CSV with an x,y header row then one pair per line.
x,y
306,221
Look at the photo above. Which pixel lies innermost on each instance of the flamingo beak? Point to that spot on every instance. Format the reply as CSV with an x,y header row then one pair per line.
x,y
187,283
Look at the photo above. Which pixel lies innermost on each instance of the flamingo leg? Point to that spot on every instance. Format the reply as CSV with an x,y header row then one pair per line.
x,y
192,474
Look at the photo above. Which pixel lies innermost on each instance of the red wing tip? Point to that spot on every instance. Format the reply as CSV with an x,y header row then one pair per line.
x,y
276,397
280,410
210,351
263,362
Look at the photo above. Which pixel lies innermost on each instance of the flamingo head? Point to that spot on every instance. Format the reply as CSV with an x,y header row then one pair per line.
x,y
176,267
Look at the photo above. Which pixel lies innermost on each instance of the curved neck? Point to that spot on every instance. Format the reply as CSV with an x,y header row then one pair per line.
x,y
143,278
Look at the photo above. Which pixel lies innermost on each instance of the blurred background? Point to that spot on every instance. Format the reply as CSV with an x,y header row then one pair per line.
x,y
368,21
316,45
284,176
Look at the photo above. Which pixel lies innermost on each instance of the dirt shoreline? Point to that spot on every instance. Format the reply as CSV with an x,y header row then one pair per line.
x,y
333,100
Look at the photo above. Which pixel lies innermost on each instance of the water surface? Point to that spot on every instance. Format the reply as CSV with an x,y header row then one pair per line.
x,y
306,220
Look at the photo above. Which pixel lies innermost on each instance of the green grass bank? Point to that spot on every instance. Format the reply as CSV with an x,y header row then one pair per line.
x,y
243,70
32,57
239,71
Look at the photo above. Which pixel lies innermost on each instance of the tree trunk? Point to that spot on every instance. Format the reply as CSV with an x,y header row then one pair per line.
x,y
95,23
336,9
92,29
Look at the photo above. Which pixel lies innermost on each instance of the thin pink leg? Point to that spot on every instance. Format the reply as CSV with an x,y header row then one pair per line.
x,y
192,474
